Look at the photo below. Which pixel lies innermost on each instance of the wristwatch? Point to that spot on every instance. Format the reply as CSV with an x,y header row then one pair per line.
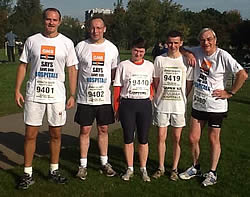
x,y
230,92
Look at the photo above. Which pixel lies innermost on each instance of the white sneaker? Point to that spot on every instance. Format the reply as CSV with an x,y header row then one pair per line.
x,y
145,176
129,174
210,179
190,173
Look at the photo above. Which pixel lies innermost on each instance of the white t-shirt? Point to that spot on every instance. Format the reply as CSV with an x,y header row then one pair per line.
x,y
48,58
94,77
135,80
171,93
211,73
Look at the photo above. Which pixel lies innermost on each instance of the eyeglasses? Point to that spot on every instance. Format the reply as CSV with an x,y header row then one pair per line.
x,y
210,39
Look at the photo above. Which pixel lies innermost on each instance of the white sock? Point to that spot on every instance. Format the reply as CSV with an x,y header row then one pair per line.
x,y
131,168
83,162
54,167
104,160
143,169
28,170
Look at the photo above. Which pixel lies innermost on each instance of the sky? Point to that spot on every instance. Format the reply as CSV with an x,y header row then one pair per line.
x,y
76,8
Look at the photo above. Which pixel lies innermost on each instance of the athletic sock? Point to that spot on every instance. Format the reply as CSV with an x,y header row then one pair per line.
x,y
131,168
83,162
54,167
143,169
213,171
197,166
28,170
104,160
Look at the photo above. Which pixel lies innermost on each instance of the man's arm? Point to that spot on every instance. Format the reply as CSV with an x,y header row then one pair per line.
x,y
156,81
72,71
21,72
189,85
191,60
241,77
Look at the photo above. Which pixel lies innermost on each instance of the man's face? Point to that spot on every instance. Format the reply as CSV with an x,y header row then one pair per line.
x,y
52,22
174,44
137,54
208,42
97,29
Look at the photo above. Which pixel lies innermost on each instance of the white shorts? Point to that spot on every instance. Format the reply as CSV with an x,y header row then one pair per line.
x,y
166,119
34,112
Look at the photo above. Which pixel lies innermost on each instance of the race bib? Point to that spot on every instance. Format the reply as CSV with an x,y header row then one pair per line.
x,y
139,85
45,90
95,94
172,83
200,99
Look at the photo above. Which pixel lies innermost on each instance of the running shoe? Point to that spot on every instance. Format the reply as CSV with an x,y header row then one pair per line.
x,y
190,173
145,176
56,176
25,181
129,174
174,175
107,170
158,173
82,173
210,179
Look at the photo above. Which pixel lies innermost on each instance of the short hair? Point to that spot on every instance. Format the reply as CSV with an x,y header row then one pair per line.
x,y
174,34
139,43
96,17
51,9
205,30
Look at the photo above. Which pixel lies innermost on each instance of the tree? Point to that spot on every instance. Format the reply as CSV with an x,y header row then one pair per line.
x,y
27,18
5,9
71,27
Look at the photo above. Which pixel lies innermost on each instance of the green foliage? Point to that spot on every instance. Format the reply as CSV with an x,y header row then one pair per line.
x,y
27,18
71,27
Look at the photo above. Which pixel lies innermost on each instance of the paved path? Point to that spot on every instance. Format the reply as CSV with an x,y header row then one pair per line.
x,y
12,138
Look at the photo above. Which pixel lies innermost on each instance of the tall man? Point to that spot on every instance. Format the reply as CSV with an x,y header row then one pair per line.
x,y
11,39
98,60
172,77
47,53
210,100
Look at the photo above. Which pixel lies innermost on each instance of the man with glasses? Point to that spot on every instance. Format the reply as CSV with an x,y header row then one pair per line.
x,y
210,100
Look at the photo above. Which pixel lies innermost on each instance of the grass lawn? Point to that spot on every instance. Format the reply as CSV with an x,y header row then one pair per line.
x,y
233,170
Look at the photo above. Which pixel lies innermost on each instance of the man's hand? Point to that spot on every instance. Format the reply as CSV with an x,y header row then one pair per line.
x,y
70,102
19,99
221,94
191,59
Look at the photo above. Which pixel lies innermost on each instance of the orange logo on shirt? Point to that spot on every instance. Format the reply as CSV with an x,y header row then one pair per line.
x,y
98,58
48,52
206,65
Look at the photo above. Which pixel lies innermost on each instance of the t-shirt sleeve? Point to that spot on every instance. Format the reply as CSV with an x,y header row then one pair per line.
x,y
118,76
25,54
231,64
116,59
156,73
71,57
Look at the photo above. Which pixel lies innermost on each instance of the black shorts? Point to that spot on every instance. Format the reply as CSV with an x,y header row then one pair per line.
x,y
214,119
86,114
135,114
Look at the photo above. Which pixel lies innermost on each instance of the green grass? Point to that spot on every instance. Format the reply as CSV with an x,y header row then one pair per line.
x,y
233,169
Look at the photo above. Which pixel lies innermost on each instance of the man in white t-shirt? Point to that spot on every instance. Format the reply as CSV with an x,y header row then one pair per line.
x,y
47,53
171,79
214,65
98,59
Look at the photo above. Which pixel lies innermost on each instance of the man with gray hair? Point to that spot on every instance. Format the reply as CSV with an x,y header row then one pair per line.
x,y
210,100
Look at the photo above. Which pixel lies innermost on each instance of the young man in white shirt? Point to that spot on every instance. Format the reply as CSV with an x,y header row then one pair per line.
x,y
173,82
